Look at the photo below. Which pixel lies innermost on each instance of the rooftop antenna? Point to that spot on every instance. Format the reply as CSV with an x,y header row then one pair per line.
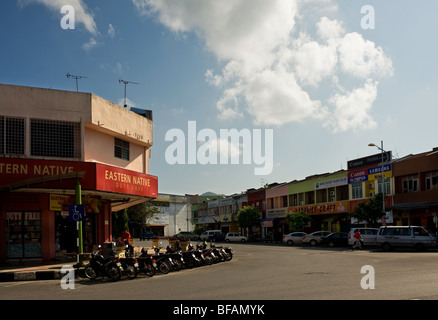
x,y
75,77
126,82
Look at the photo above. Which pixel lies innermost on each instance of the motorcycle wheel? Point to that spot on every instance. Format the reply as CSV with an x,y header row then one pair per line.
x,y
131,272
208,260
149,270
164,267
197,262
229,256
177,264
90,273
113,272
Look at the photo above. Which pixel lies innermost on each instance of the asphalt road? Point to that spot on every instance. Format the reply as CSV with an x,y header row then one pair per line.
x,y
261,273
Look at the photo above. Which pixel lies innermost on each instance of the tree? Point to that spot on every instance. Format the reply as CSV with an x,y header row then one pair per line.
x,y
137,216
370,211
248,217
119,222
297,220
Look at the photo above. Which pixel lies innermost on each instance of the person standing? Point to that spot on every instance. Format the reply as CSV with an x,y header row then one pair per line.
x,y
357,243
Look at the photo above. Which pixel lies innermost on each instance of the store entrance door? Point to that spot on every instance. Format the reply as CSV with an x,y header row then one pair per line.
x,y
23,234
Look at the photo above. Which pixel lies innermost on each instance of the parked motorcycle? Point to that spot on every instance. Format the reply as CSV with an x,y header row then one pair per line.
x,y
164,262
189,256
147,263
177,258
100,266
129,263
208,254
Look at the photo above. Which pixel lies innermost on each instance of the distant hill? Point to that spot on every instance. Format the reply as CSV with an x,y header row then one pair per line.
x,y
210,194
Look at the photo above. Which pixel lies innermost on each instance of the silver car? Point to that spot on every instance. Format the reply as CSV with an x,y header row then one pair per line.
x,y
416,237
294,238
315,237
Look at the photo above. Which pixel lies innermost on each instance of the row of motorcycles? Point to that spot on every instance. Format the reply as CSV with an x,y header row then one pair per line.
x,y
176,259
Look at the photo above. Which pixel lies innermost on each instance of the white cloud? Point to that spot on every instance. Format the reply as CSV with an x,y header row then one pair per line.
x,y
90,44
352,110
111,31
271,60
82,14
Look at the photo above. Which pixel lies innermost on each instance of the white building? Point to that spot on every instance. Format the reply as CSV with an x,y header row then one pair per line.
x,y
175,215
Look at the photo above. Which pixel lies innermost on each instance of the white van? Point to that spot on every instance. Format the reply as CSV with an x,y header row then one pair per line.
x,y
206,234
416,237
369,236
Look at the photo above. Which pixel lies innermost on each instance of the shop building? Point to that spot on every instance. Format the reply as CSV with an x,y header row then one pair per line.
x,y
53,141
416,190
175,215
365,181
275,225
324,197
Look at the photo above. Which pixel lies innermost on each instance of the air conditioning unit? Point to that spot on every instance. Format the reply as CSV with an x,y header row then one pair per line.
x,y
371,186
332,199
332,193
371,194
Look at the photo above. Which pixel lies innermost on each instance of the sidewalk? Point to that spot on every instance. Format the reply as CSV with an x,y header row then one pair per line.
x,y
27,270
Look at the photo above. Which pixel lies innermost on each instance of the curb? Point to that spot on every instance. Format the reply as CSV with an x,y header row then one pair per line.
x,y
29,275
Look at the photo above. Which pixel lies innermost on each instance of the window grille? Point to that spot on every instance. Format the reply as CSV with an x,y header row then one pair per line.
x,y
121,149
51,138
12,135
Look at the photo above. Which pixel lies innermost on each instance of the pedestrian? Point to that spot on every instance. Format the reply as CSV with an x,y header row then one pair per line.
x,y
125,236
357,243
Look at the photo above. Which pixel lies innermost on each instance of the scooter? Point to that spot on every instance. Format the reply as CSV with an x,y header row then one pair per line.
x,y
129,263
100,266
164,262
177,258
146,263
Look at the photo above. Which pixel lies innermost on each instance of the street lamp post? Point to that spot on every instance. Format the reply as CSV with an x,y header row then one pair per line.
x,y
383,172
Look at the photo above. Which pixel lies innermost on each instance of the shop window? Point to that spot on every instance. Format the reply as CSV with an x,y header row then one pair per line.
x,y
410,184
432,181
50,138
23,234
12,135
357,192
121,149
387,186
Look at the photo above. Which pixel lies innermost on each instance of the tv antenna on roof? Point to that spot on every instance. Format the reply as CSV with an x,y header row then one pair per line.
x,y
126,82
75,77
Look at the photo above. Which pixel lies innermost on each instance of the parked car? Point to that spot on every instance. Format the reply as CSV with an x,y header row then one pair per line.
x,y
206,234
315,237
217,237
369,236
416,237
146,235
186,235
233,237
335,239
294,238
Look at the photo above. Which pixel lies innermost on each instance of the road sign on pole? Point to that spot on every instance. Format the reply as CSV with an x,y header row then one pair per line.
x,y
76,212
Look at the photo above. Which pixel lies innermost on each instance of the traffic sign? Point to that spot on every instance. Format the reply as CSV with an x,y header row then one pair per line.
x,y
76,212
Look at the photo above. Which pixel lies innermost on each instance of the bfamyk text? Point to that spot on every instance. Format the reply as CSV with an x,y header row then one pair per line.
x,y
206,147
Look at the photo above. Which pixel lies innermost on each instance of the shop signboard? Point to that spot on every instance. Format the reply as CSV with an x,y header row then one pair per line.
x,y
53,174
323,208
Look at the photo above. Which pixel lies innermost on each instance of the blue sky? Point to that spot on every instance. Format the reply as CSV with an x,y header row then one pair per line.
x,y
305,69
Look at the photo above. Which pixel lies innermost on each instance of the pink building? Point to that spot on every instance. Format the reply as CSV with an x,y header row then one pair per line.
x,y
50,140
